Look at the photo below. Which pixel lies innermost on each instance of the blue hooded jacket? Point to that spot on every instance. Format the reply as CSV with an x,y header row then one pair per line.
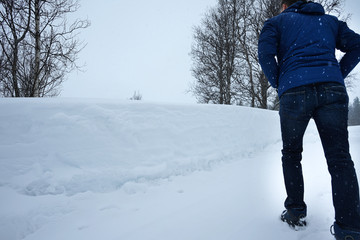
x,y
297,47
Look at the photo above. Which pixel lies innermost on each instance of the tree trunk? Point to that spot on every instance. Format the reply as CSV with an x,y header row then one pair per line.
x,y
14,72
36,90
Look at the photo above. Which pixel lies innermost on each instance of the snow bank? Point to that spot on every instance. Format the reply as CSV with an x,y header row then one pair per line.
x,y
69,146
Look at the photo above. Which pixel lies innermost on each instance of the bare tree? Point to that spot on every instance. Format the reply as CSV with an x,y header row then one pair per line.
x,y
246,40
48,49
225,55
15,23
253,87
136,96
56,44
334,7
214,54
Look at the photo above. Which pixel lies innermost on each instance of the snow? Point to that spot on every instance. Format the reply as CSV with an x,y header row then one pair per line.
x,y
128,170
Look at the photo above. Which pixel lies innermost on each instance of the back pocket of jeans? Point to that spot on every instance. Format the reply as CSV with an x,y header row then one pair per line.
x,y
336,94
292,105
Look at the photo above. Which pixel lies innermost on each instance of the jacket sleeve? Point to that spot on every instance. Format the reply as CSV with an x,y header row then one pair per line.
x,y
348,42
267,50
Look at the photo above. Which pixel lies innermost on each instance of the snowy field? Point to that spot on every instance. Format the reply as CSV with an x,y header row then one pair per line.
x,y
118,170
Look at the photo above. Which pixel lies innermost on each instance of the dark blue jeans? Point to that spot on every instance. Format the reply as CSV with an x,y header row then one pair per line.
x,y
327,104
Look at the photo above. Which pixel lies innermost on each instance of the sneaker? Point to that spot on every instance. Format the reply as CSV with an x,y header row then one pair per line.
x,y
295,218
343,234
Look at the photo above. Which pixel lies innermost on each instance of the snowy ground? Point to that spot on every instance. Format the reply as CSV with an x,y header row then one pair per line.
x,y
104,169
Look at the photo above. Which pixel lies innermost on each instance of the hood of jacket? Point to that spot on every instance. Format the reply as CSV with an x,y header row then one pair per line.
x,y
306,8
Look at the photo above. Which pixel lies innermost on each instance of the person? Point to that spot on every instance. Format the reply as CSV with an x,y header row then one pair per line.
x,y
297,54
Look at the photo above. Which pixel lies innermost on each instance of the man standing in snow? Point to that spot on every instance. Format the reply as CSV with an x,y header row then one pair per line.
x,y
297,55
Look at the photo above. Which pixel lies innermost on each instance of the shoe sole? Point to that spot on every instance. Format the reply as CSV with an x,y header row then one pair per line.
x,y
297,226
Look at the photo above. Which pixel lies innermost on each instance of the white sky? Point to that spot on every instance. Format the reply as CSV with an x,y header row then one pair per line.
x,y
144,46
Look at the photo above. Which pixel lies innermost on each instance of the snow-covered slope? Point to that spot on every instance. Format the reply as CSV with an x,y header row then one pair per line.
x,y
104,169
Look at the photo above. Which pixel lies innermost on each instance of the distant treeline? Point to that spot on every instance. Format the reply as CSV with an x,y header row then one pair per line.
x,y
354,112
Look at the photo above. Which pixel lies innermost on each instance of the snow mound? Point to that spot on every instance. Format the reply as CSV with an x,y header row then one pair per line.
x,y
57,146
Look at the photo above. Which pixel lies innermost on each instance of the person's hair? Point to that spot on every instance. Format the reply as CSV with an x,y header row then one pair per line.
x,y
290,2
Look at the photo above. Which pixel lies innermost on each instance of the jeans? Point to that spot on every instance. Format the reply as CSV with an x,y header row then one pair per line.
x,y
327,104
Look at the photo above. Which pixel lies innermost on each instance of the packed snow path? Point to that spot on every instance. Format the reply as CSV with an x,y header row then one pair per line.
x,y
103,169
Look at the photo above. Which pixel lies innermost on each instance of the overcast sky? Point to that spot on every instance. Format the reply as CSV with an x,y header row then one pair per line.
x,y
144,46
